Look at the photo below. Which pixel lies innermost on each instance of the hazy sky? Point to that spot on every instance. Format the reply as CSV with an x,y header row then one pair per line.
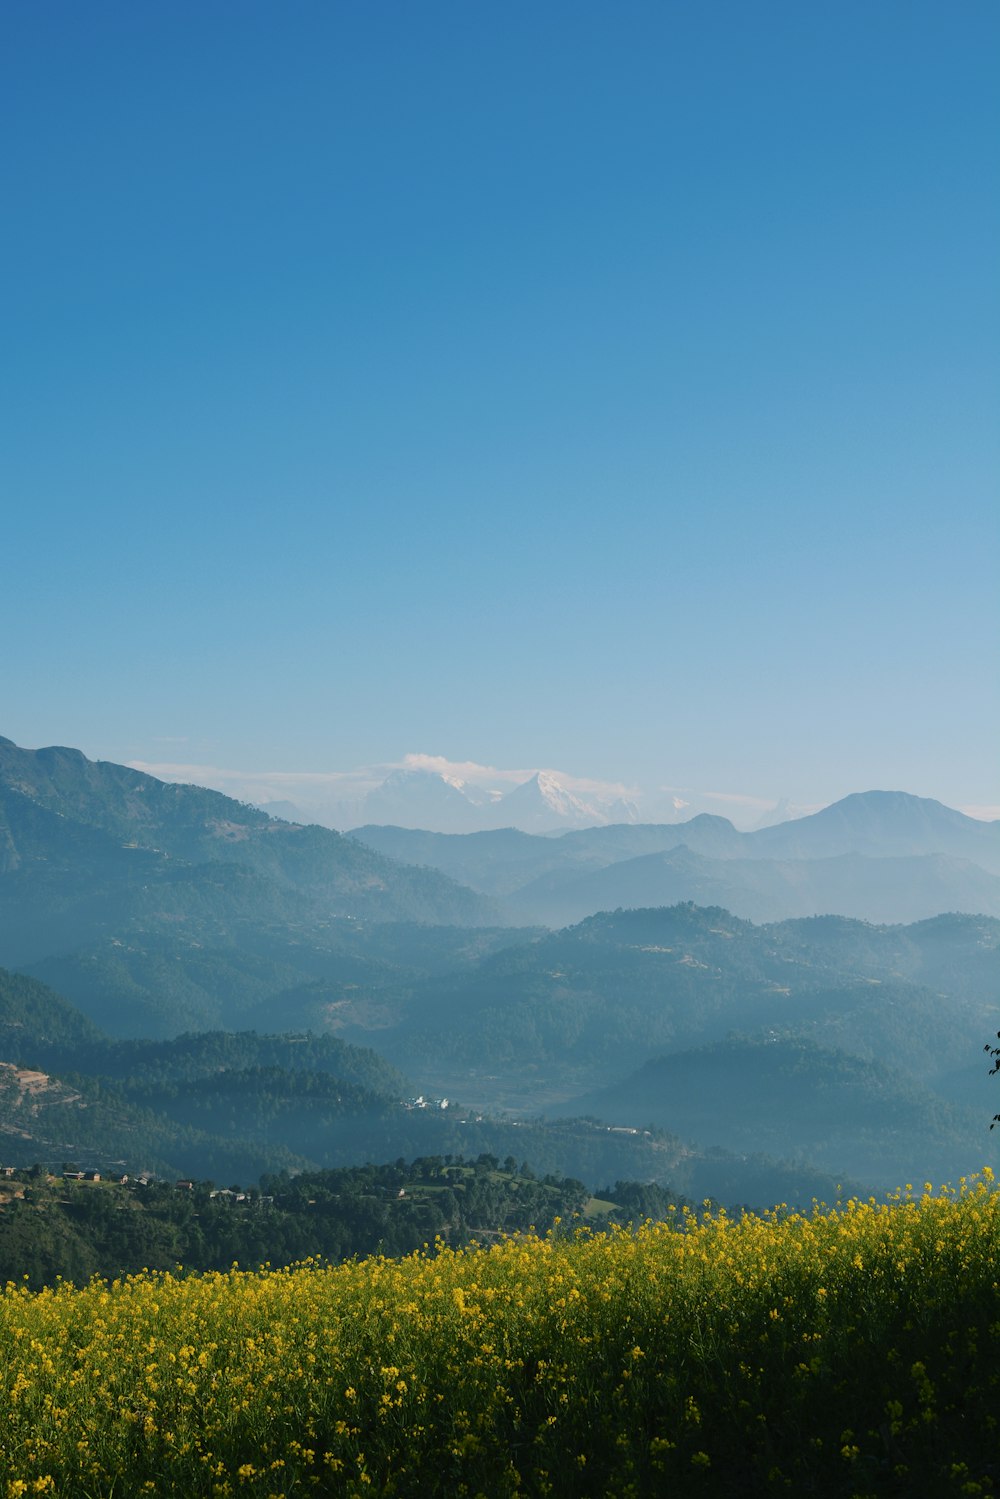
x,y
604,386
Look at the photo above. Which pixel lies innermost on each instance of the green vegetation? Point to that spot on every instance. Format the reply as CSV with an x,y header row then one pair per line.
x,y
684,976
61,810
851,1352
231,1106
162,907
884,1022
36,1024
57,1227
846,1114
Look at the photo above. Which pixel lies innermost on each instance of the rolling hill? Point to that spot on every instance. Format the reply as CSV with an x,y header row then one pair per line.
x,y
561,1020
789,1097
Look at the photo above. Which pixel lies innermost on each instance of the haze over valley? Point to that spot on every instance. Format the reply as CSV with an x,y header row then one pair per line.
x,y
720,1010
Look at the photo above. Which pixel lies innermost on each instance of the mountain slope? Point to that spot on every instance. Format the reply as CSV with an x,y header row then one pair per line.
x,y
507,860
542,804
886,824
163,908
792,1097
36,1023
594,1001
94,806
418,798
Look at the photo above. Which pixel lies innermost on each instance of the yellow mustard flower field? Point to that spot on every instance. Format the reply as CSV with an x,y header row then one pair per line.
x,y
853,1351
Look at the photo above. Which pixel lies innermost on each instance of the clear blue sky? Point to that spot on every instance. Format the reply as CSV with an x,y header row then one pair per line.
x,y
604,386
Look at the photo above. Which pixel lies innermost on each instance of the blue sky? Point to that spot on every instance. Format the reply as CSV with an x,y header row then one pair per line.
x,y
611,387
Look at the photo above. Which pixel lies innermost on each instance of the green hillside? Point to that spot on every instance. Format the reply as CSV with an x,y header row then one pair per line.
x,y
788,1096
54,1227
565,1020
159,908
37,1023
604,996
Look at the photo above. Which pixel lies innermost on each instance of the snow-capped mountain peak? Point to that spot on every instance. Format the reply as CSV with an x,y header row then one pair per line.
x,y
543,804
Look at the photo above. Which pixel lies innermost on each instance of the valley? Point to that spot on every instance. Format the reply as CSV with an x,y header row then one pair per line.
x,y
214,993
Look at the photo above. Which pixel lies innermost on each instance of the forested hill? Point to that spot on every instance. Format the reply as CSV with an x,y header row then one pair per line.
x,y
622,986
234,1106
70,825
777,1093
160,908
888,1024
40,1027
54,1226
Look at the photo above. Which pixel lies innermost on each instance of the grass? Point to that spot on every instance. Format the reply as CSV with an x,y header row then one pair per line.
x,y
851,1352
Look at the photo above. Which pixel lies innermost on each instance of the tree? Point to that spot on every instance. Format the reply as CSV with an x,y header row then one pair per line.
x,y
994,1052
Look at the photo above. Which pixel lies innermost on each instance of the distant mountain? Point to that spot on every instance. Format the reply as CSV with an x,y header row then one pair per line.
x,y
504,862
496,861
883,856
884,824
57,807
167,907
879,890
420,798
542,804
285,811
782,811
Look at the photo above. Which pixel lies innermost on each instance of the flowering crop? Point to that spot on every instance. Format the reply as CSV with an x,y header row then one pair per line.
x,y
849,1352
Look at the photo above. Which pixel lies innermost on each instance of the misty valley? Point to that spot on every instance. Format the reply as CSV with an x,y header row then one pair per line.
x,y
194,989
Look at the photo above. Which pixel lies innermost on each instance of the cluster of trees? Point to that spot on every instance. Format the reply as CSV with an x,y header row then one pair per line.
x,y
51,1226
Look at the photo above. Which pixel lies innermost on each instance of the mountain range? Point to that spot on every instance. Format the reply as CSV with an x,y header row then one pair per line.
x,y
58,808
884,1024
422,798
161,907
879,855
156,909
